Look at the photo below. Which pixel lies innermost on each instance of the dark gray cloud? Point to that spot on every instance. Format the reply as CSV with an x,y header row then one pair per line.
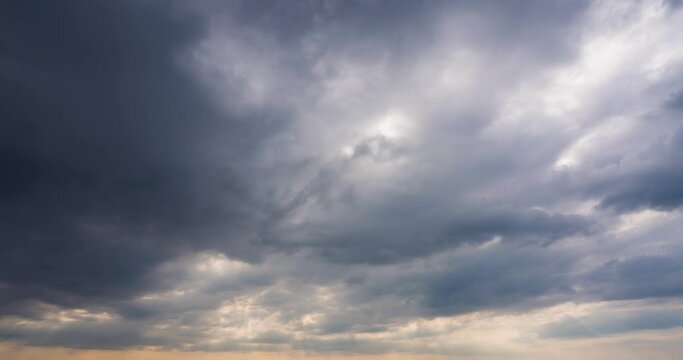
x,y
86,336
110,149
320,175
615,322
639,277
406,228
657,185
510,277
675,101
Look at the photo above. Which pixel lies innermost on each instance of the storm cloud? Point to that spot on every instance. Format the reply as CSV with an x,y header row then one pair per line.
x,y
337,176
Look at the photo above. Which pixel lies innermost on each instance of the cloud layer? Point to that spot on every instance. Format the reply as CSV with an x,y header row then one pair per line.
x,y
339,176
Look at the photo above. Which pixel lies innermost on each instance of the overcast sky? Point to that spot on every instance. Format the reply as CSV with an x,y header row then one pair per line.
x,y
380,179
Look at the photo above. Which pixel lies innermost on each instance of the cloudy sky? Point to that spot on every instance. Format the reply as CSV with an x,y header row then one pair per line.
x,y
352,179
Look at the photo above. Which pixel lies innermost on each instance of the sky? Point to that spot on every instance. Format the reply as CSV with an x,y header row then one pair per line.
x,y
341,179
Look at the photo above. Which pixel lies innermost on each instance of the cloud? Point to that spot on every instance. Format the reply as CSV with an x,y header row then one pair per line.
x,y
641,277
110,149
655,187
331,176
618,320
